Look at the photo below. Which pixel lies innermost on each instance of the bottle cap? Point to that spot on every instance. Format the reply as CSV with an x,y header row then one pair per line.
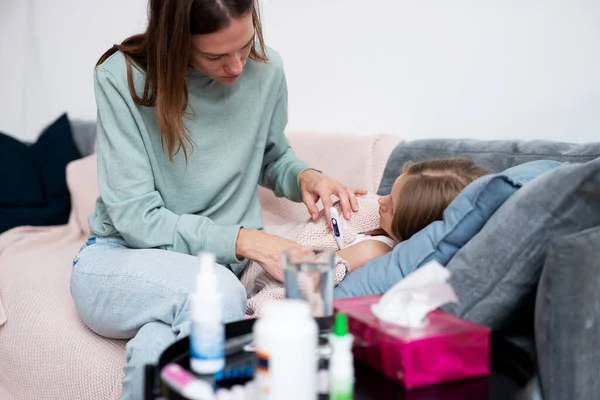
x,y
341,324
207,281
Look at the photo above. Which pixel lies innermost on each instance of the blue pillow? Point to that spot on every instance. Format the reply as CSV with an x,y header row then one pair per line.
x,y
440,240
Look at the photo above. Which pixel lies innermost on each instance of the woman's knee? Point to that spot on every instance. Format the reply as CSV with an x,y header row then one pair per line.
x,y
135,287
86,299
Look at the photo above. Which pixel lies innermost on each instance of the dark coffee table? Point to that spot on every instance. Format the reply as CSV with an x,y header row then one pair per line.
x,y
512,370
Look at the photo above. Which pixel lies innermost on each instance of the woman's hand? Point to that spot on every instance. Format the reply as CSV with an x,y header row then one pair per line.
x,y
265,249
316,185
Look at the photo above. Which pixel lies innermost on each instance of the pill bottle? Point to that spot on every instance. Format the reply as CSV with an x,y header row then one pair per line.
x,y
285,338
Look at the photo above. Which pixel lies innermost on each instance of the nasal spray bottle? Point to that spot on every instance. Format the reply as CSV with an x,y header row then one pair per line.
x,y
341,363
207,336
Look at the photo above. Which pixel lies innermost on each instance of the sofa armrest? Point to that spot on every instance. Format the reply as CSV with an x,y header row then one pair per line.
x,y
567,325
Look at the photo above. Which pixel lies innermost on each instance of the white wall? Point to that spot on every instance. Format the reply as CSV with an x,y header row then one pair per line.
x,y
49,68
418,68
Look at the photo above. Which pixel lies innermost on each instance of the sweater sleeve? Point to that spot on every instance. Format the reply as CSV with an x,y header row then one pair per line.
x,y
281,167
126,182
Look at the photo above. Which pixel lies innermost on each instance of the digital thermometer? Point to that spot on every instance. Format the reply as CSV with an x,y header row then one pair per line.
x,y
337,227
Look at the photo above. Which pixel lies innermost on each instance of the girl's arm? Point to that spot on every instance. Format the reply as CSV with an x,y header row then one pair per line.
x,y
358,254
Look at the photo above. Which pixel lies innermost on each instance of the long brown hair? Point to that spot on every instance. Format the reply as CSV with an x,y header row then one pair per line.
x,y
163,52
427,188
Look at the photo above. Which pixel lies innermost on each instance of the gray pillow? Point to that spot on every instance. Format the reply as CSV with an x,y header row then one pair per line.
x,y
495,155
500,267
84,136
567,317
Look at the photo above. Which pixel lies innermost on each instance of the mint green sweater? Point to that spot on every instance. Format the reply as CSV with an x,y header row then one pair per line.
x,y
237,131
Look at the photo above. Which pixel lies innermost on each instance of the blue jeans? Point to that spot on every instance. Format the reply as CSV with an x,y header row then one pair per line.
x,y
142,295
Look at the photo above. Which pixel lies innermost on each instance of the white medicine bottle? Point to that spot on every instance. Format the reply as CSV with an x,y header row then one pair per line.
x,y
207,331
286,337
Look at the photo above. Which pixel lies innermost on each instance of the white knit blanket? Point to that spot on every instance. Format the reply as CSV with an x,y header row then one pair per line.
x,y
261,287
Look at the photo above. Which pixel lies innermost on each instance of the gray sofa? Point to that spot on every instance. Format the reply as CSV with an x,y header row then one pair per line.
x,y
533,271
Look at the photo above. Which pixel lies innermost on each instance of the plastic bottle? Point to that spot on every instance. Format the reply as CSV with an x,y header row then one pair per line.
x,y
341,362
285,338
207,336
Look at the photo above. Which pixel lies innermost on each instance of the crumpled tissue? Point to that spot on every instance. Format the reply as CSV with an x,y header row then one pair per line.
x,y
409,301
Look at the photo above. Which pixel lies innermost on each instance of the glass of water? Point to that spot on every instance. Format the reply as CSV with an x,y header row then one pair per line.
x,y
308,276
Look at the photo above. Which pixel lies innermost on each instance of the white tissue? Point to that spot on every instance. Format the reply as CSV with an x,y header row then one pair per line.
x,y
409,301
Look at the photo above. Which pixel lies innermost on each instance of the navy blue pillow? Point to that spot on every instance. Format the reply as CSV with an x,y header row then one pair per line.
x,y
19,178
440,240
34,184
51,153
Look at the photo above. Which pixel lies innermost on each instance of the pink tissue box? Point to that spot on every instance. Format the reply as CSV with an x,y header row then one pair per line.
x,y
447,349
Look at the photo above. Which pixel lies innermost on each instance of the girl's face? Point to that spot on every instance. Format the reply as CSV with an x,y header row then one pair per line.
x,y
386,207
222,55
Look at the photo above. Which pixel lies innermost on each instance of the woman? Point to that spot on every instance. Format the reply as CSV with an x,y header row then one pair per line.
x,y
191,116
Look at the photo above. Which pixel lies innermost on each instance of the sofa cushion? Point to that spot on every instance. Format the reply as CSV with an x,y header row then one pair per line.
x,y
495,155
34,182
440,240
500,267
567,319
82,178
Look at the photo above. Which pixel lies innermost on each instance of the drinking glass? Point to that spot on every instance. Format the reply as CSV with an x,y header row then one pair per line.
x,y
308,276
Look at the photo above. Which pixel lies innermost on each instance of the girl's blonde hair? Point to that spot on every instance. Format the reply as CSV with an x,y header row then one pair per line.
x,y
427,188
